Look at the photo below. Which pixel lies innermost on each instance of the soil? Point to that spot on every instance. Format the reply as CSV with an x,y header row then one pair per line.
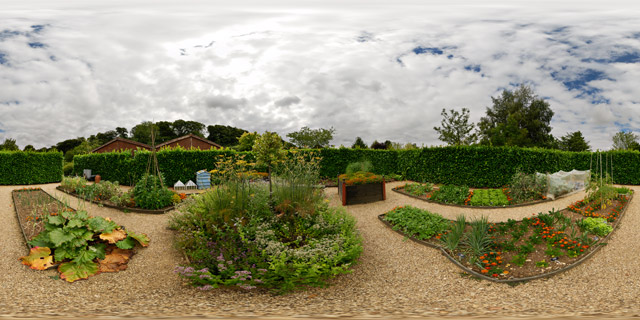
x,y
530,268
33,205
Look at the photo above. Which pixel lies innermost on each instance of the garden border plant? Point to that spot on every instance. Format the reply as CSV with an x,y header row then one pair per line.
x,y
594,248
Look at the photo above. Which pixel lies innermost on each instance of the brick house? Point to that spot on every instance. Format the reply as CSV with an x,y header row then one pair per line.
x,y
190,141
119,144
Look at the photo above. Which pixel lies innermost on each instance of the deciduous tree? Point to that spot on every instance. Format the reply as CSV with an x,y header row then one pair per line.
x,y
312,138
455,128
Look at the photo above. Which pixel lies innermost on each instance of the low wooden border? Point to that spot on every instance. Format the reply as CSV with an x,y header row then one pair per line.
x,y
137,210
397,189
595,248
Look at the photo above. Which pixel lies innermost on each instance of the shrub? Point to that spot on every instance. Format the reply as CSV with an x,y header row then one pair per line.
x,y
451,194
26,167
360,177
419,223
527,187
360,166
72,184
67,169
149,193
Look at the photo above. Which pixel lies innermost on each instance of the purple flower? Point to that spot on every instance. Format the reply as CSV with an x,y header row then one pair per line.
x,y
206,287
204,270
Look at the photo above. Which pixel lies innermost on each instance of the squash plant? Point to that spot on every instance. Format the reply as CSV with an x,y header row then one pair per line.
x,y
83,245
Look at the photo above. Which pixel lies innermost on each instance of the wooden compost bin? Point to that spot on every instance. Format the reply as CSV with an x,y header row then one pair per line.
x,y
361,193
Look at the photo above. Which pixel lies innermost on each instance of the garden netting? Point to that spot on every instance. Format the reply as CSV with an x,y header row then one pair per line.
x,y
562,182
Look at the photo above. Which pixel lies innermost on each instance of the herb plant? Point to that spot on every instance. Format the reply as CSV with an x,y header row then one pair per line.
x,y
419,223
451,194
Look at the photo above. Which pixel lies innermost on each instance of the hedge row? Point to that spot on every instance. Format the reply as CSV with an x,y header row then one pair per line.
x,y
19,167
472,166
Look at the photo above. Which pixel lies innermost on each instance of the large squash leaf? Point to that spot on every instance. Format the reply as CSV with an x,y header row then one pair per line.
x,y
41,240
72,271
39,258
56,220
113,237
99,224
128,243
115,261
59,236
142,238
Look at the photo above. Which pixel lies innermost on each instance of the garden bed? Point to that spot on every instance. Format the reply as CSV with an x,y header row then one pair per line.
x,y
427,197
532,248
32,205
361,193
110,204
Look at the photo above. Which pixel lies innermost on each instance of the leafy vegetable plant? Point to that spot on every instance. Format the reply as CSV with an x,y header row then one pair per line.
x,y
420,223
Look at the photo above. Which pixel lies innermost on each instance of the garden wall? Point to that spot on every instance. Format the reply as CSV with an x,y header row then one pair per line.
x,y
20,167
475,166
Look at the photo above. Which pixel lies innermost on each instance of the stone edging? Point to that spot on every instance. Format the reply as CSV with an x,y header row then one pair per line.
x,y
137,210
585,257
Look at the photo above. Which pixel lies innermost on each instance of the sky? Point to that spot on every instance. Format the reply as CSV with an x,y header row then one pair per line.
x,y
380,70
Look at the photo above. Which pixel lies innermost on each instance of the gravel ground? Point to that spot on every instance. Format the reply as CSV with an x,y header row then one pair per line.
x,y
394,279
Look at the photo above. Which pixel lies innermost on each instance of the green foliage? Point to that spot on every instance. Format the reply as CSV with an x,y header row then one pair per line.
x,y
268,149
225,136
456,129
312,138
360,166
26,167
359,144
233,237
72,184
625,140
418,189
67,169
451,194
527,187
519,259
452,239
597,226
574,141
489,197
478,240
149,193
73,236
247,141
517,118
9,145
419,223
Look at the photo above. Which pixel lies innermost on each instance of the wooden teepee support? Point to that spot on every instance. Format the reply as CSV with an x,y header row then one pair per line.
x,y
152,163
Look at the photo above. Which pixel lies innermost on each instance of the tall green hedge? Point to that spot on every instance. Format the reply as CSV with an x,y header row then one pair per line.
x,y
474,166
20,167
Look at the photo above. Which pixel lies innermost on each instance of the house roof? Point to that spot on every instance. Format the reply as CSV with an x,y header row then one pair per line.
x,y
191,135
135,143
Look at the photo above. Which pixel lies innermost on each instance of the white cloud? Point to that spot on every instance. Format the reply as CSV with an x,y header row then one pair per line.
x,y
378,71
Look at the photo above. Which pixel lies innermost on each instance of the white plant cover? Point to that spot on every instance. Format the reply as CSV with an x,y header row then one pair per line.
x,y
179,186
191,185
563,182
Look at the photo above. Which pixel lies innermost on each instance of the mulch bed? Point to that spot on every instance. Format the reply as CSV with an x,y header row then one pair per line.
x,y
110,204
32,205
530,270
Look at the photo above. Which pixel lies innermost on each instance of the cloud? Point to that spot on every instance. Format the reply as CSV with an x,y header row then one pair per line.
x,y
287,101
379,72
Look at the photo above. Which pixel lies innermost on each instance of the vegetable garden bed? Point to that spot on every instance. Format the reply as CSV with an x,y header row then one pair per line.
x,y
515,251
110,204
466,203
361,193
77,244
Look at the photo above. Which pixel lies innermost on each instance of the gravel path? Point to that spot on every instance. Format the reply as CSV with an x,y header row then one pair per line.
x,y
394,279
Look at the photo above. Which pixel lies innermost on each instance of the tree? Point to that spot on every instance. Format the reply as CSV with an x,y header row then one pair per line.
x,y
625,140
9,145
142,132
268,151
378,145
85,147
312,138
359,144
29,148
164,132
573,141
183,128
455,128
224,135
388,145
122,132
517,118
247,140
69,144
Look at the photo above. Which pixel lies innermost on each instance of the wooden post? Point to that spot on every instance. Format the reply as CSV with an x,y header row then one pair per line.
x,y
384,190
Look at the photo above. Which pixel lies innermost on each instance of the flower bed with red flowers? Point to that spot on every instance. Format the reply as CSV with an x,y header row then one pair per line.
x,y
511,251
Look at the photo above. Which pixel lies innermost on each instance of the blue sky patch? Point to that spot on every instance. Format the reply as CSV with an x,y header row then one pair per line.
x,y
474,68
423,50
365,37
6,34
3,60
10,102
37,27
557,30
36,45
